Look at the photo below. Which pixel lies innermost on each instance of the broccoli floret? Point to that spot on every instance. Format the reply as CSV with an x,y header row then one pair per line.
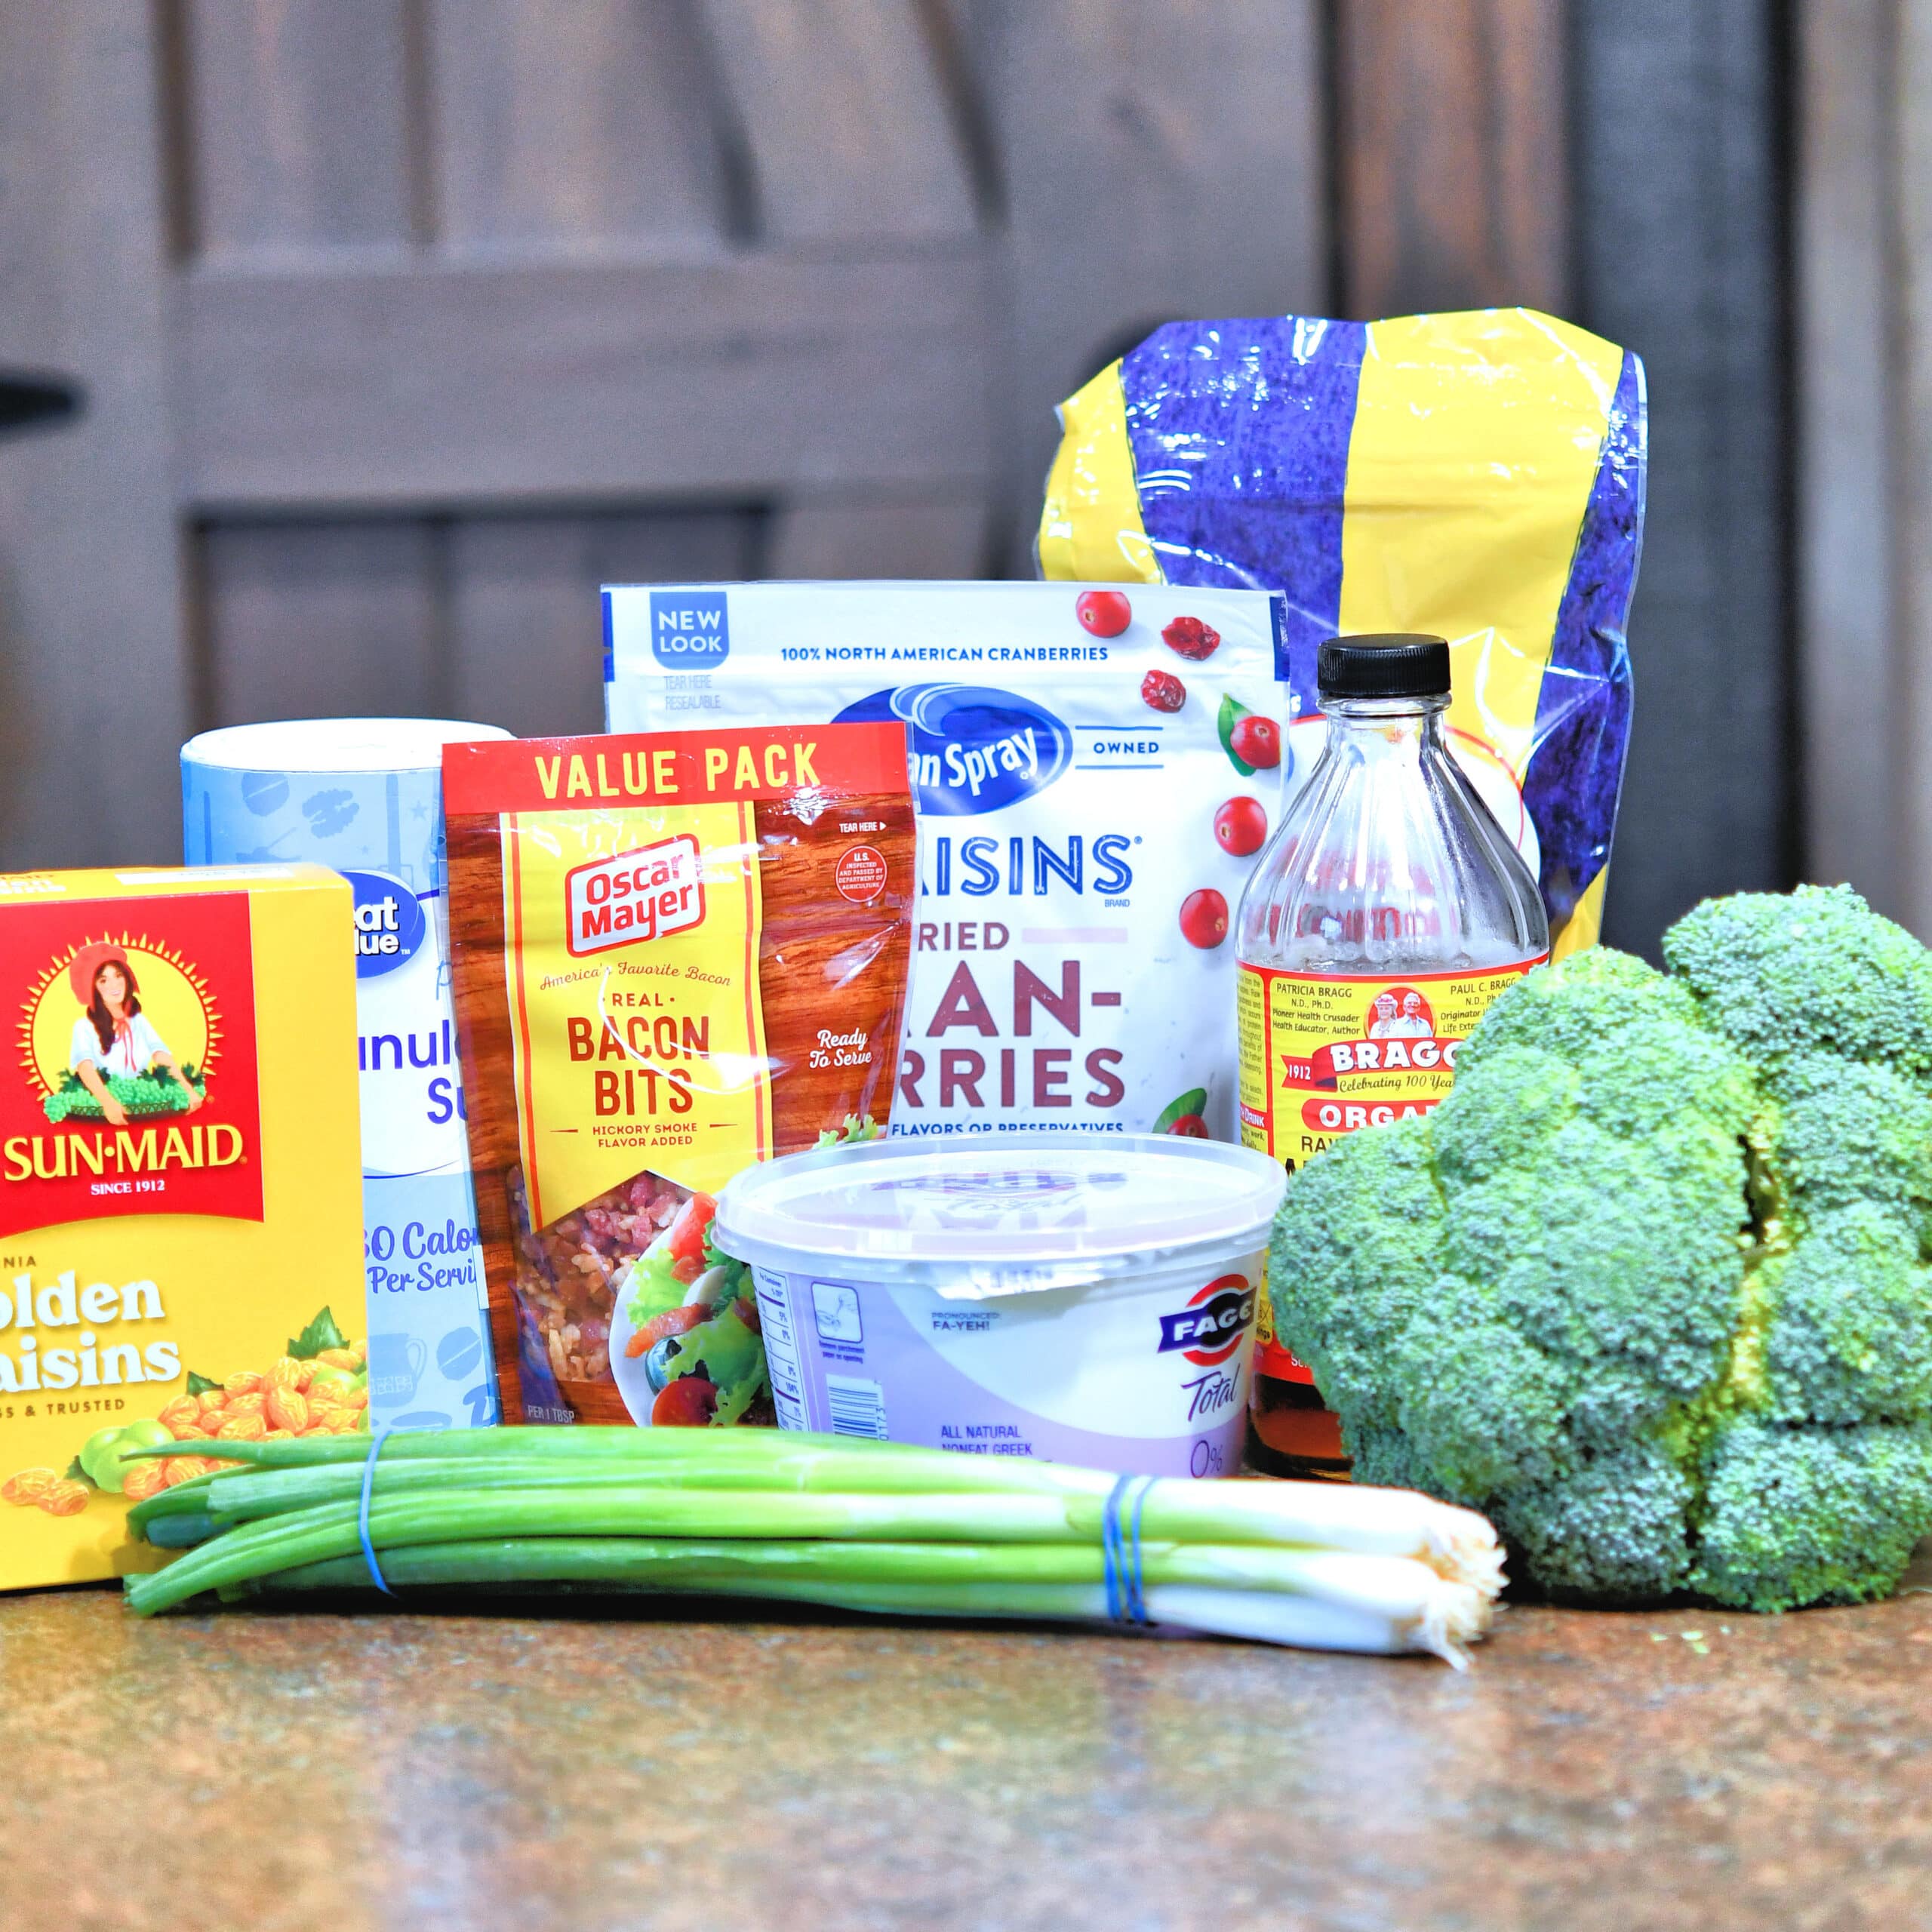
x,y
1653,1285
1370,1288
1850,1337
1792,1516
1848,1133
1813,971
1615,1531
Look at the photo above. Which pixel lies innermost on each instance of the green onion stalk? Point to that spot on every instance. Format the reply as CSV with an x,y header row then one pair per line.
x,y
883,1527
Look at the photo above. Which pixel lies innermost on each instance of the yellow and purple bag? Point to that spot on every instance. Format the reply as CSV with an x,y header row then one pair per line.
x,y
1478,475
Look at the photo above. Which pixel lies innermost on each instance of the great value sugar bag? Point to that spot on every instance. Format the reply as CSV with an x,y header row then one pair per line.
x,y
1095,768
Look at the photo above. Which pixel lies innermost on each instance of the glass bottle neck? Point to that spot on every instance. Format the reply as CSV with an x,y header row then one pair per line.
x,y
1370,726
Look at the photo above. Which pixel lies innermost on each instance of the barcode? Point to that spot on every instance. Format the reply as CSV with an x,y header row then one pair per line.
x,y
858,1408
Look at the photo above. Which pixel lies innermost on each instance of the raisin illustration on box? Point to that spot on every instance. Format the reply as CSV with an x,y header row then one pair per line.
x,y
180,1190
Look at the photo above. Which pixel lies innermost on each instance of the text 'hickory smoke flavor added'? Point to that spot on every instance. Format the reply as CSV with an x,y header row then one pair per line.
x,y
1389,911
1096,769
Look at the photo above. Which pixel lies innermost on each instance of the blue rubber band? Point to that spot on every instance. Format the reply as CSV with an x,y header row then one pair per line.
x,y
1109,1564
1140,1581
376,1576
1121,1566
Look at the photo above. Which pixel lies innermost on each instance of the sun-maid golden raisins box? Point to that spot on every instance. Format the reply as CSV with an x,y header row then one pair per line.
x,y
180,1190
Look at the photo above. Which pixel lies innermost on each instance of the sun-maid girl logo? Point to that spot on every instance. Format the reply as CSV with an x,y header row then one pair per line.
x,y
146,1036
137,1090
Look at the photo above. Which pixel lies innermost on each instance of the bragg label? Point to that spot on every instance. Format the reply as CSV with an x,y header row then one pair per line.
x,y
1323,1054
180,1257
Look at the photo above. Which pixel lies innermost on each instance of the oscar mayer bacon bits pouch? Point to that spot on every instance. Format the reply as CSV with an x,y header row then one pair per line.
x,y
674,954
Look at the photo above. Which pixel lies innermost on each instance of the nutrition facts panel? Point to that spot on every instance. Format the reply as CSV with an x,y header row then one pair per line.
x,y
781,1348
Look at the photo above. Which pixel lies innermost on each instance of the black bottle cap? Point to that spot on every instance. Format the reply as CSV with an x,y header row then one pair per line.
x,y
1384,664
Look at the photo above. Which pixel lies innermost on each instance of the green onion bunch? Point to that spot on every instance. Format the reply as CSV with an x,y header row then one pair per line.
x,y
880,1527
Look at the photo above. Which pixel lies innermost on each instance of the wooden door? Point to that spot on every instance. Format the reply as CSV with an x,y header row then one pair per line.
x,y
1864,392
404,322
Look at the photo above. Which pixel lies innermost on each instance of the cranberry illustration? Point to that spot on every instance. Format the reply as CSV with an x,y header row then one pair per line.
x,y
1241,826
1190,1126
1189,637
1104,613
1204,919
1163,691
1256,741
688,1402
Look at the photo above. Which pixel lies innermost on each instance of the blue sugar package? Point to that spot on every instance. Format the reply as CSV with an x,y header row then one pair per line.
x,y
363,795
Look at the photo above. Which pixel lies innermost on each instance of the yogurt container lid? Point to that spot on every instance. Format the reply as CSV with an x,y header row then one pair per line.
x,y
998,1216
334,744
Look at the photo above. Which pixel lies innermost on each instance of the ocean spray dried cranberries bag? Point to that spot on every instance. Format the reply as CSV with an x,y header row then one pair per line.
x,y
672,955
1094,770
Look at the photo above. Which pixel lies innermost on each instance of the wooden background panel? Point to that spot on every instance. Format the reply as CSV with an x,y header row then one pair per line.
x,y
1911,469
94,689
1154,158
1679,249
589,129
296,124
843,108
316,620
739,376
525,629
898,536
1847,257
1451,162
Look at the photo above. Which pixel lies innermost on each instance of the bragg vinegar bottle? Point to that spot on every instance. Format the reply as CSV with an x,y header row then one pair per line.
x,y
1386,914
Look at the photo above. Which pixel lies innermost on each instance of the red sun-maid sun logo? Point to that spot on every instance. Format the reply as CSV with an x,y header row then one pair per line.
x,y
155,1031
137,1092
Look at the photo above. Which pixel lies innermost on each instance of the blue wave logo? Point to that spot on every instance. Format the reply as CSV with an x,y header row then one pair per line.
x,y
974,750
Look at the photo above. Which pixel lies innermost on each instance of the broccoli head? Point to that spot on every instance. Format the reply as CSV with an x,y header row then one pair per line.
x,y
1652,1286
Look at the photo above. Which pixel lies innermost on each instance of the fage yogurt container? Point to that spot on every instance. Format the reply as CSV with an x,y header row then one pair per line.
x,y
1084,1297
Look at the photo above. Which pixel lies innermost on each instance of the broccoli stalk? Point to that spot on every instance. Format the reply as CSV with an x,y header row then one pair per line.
x,y
1651,1287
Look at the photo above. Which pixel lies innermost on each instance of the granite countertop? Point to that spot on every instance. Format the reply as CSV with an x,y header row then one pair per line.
x,y
282,1772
